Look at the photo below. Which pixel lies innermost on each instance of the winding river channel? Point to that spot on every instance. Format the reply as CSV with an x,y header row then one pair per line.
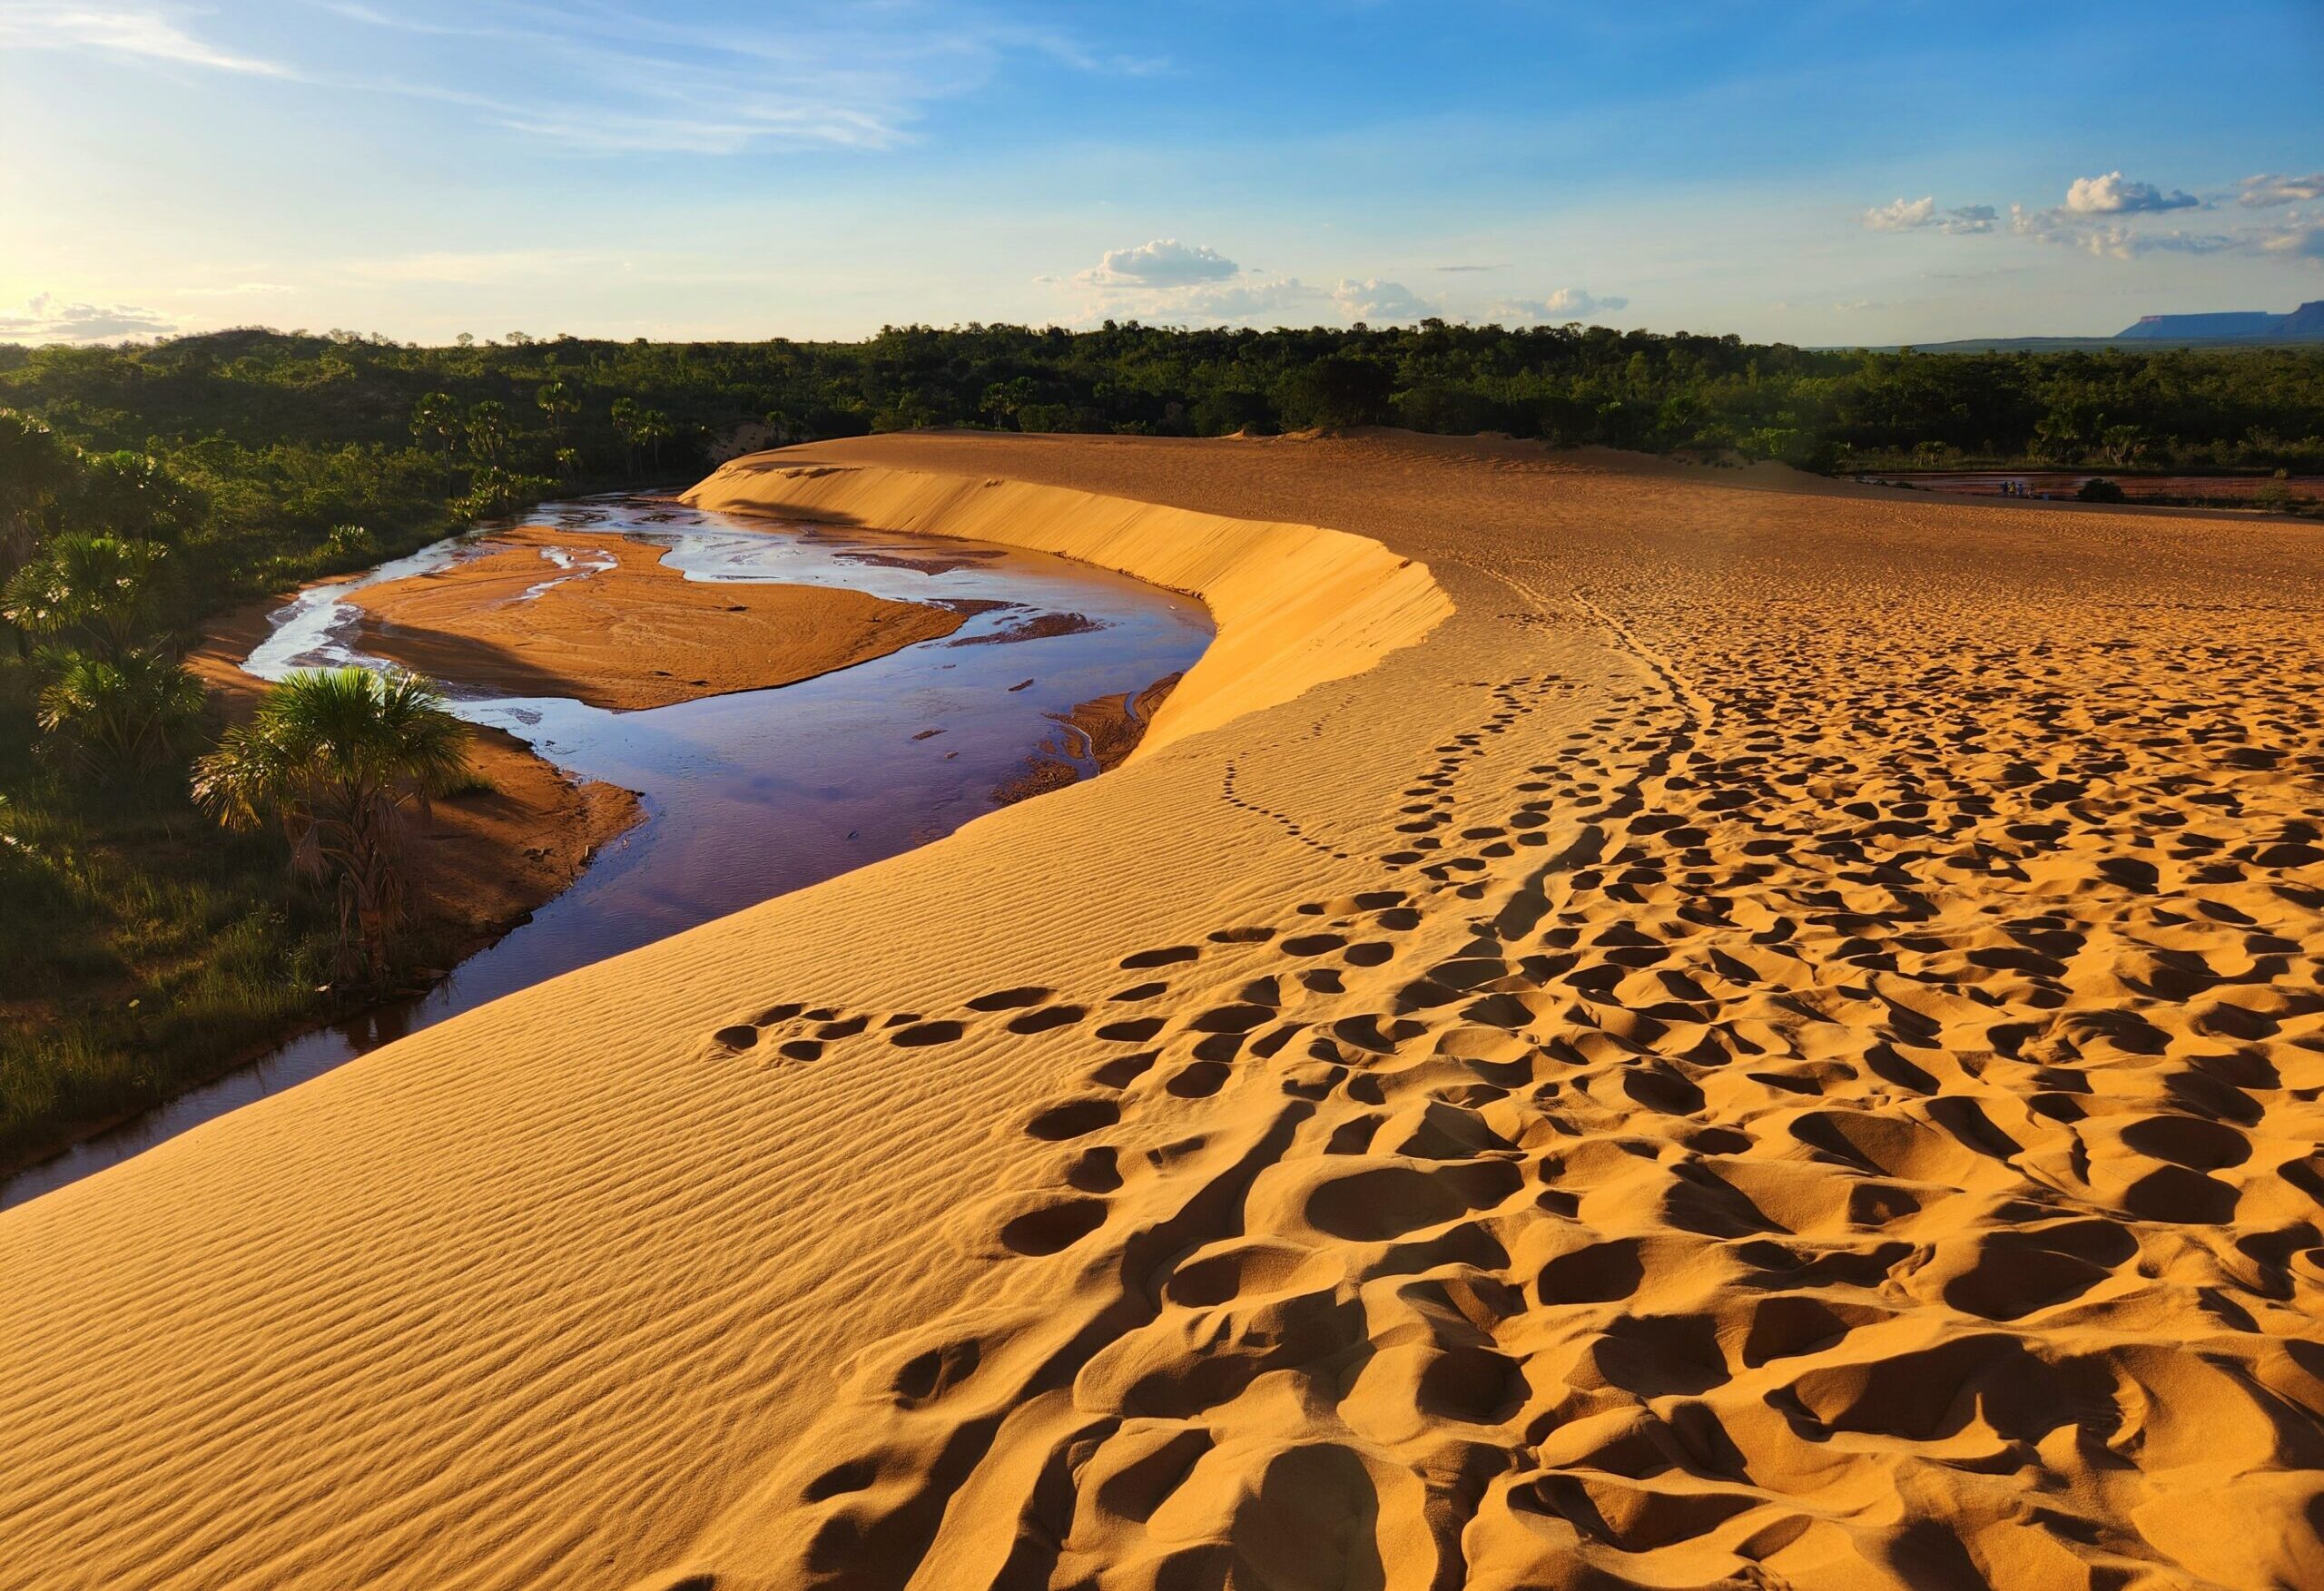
x,y
752,794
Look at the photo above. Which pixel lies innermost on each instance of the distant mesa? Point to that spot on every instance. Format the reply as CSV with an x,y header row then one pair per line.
x,y
2236,323
2304,322
2220,329
2230,326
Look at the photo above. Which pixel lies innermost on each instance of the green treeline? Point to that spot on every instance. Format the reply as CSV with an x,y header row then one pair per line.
x,y
323,426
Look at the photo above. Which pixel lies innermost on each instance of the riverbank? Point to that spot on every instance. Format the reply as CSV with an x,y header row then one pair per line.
x,y
486,857
1624,1025
600,618
174,954
613,628
753,792
617,630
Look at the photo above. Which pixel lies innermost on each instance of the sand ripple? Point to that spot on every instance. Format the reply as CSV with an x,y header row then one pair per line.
x,y
1779,1046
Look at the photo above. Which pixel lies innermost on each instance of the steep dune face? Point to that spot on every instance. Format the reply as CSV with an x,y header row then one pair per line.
x,y
1779,1042
1296,604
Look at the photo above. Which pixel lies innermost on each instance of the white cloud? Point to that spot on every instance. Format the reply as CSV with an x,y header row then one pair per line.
x,y
1385,303
149,32
2110,216
2112,195
2176,241
2302,242
2055,226
1248,300
1167,282
2269,190
1564,305
2115,239
657,80
1170,283
722,126
630,78
48,319
1164,263
241,290
1902,215
1910,215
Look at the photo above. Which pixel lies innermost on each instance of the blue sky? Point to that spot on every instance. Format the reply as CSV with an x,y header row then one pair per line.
x,y
1818,172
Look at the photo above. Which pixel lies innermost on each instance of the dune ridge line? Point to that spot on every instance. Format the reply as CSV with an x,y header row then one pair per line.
x,y
1296,604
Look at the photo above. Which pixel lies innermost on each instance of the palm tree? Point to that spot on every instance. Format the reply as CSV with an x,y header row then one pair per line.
x,y
638,427
132,496
489,431
653,428
104,588
124,715
438,418
557,402
341,758
626,415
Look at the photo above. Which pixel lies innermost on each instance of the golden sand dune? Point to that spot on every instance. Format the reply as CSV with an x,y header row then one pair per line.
x,y
1628,1026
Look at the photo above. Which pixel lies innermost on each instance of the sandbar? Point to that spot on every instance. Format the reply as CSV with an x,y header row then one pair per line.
x,y
612,626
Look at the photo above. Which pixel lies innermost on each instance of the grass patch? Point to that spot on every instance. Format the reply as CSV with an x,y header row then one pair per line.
x,y
142,950
472,783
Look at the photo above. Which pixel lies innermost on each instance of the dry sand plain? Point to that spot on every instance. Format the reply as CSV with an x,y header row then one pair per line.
x,y
1628,1026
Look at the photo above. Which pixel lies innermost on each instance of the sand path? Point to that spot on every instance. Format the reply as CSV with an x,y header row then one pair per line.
x,y
1693,1033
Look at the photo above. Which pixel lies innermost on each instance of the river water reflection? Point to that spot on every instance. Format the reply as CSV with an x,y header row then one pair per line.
x,y
748,795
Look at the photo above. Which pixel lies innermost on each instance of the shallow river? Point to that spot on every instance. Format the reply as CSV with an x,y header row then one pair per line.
x,y
752,794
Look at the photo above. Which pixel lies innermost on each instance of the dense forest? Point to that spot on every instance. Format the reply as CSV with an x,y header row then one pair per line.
x,y
144,488
242,392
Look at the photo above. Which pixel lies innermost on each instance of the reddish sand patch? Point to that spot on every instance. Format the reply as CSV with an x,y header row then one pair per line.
x,y
634,636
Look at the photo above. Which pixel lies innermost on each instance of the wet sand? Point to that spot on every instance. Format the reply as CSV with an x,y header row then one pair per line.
x,y
600,619
1103,731
1627,1026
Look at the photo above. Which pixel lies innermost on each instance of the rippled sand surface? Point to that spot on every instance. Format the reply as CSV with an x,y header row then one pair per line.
x,y
1627,1027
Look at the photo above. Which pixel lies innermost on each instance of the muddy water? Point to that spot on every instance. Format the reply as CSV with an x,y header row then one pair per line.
x,y
753,794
